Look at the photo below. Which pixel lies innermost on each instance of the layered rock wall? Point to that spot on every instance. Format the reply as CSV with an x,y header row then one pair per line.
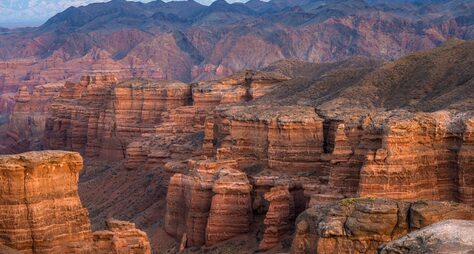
x,y
465,161
209,205
280,138
100,117
426,156
41,211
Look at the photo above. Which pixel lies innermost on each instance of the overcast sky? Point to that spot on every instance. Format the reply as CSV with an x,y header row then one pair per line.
x,y
15,13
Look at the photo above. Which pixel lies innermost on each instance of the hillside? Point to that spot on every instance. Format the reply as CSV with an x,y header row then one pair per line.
x,y
187,41
438,79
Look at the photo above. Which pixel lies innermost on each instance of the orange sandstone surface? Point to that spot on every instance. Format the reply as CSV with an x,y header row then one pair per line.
x,y
42,212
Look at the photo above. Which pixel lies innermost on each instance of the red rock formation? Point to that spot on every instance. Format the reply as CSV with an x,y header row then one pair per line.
x,y
100,117
466,164
75,113
279,216
281,138
7,101
202,205
417,160
42,213
121,237
231,210
177,133
41,210
361,225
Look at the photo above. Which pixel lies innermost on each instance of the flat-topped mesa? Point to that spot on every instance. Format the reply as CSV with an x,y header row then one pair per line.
x,y
40,208
41,212
280,138
210,204
361,225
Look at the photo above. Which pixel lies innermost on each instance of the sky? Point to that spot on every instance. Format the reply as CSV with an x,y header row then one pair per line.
x,y
15,13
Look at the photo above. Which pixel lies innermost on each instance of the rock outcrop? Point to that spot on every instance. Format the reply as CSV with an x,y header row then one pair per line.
x,y
100,116
121,237
278,219
238,140
280,138
209,205
42,213
450,236
231,206
41,210
361,225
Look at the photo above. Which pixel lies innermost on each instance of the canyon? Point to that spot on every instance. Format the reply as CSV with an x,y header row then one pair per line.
x,y
340,153
297,157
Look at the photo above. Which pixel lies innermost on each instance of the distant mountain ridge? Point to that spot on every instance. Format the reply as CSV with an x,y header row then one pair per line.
x,y
188,41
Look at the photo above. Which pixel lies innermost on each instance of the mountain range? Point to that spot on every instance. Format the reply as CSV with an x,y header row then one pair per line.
x,y
188,41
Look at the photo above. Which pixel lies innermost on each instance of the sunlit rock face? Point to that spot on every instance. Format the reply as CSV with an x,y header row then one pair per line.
x,y
41,211
100,116
278,219
210,205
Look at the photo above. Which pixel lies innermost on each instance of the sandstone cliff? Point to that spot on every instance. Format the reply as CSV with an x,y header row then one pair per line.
x,y
210,205
42,213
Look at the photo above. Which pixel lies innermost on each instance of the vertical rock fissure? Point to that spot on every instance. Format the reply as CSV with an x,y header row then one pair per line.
x,y
28,211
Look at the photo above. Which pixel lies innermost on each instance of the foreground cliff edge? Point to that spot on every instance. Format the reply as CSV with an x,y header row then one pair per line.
x,y
40,209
